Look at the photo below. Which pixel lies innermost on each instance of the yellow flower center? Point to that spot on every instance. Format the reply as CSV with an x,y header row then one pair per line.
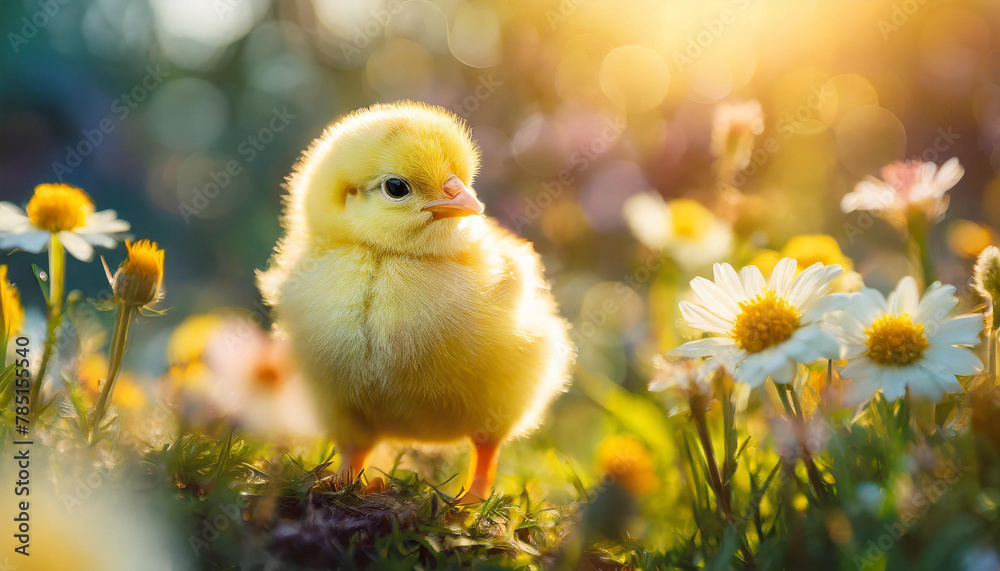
x,y
59,207
812,248
895,340
764,322
690,218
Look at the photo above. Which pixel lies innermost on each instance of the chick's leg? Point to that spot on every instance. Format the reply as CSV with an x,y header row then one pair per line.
x,y
482,471
355,458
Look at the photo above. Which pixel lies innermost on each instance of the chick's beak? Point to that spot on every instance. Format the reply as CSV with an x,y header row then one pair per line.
x,y
461,201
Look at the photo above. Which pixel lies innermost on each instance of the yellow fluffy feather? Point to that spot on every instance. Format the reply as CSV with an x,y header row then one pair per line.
x,y
413,316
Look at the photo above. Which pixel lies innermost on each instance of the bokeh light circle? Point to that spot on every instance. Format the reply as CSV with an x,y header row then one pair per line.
x,y
635,77
868,138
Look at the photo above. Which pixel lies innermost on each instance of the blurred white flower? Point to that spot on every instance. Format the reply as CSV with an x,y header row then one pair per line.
x,y
682,228
905,185
734,127
906,342
255,382
685,374
64,211
764,327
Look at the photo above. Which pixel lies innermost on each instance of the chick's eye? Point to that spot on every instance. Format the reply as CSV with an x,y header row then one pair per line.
x,y
396,187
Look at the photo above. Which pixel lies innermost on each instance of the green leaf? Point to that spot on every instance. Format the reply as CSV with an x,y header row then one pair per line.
x,y
147,312
43,280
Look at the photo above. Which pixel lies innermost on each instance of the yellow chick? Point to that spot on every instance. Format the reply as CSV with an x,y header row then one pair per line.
x,y
414,316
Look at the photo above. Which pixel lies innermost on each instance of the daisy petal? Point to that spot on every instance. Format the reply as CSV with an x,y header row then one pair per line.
x,y
947,176
920,381
726,278
867,305
869,194
784,374
937,303
104,222
809,344
13,220
753,281
955,360
961,330
947,381
706,347
894,381
701,318
31,242
712,296
904,299
77,246
102,240
824,305
781,277
861,389
858,368
757,367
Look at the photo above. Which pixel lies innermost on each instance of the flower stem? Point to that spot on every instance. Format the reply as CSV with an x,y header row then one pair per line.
x,y
701,423
57,280
116,351
918,226
993,353
719,487
793,409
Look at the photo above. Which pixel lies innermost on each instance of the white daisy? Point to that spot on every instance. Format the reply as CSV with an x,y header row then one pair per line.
x,y
905,184
906,342
764,327
682,228
64,211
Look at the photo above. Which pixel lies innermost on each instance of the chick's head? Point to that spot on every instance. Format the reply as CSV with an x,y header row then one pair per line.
x,y
396,177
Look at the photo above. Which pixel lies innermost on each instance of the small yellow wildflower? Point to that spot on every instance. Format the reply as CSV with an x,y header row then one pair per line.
x,y
188,341
808,249
625,460
765,260
967,239
11,312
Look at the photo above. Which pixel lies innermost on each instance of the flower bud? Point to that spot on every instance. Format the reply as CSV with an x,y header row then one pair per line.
x,y
138,279
986,277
